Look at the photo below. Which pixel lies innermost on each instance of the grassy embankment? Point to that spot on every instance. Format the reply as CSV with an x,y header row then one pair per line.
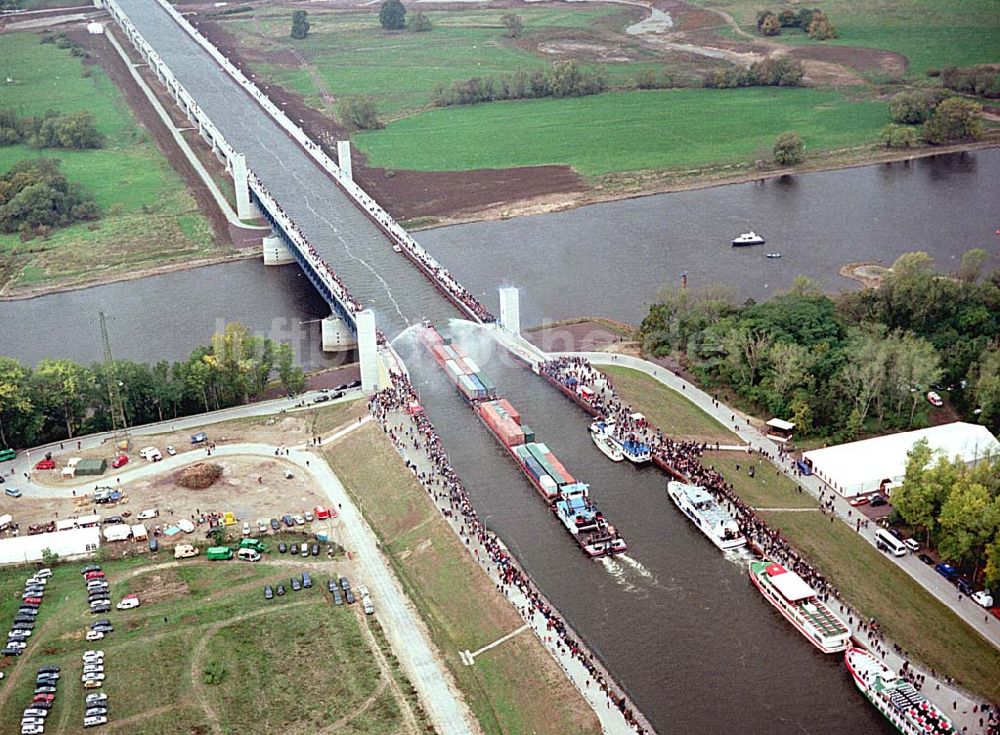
x,y
621,132
928,33
206,651
149,218
874,585
513,688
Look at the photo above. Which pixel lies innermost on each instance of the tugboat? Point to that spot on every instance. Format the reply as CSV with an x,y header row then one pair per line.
x,y
748,238
896,698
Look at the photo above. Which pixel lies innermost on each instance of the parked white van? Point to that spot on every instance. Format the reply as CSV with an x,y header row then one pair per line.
x,y
151,453
890,542
184,551
149,513
248,555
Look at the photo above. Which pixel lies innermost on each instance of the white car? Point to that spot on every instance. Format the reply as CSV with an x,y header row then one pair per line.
x,y
912,544
262,525
94,635
170,450
94,653
96,699
93,669
299,520
32,729
43,573
128,602
246,529
983,597
20,633
94,721
934,399
93,662
16,644
309,517
92,677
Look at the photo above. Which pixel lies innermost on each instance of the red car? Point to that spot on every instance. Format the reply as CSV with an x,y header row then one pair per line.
x,y
995,612
32,600
45,464
120,461
44,697
859,500
93,575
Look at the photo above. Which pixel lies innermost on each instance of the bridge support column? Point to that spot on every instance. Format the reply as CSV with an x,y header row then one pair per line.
x,y
367,350
510,309
277,253
337,335
244,207
344,159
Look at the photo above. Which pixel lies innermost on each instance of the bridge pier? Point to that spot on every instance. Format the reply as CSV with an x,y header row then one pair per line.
x,y
344,159
510,309
275,252
244,207
337,335
367,350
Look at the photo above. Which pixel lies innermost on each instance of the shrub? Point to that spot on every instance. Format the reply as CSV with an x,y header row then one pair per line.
x,y
392,15
768,23
359,113
300,25
788,148
788,19
982,80
955,119
820,28
912,108
513,24
419,23
899,136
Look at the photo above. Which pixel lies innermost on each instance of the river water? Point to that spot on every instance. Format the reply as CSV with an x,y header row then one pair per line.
x,y
602,260
678,624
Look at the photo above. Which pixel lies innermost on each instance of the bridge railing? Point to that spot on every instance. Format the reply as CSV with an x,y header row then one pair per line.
x,y
428,264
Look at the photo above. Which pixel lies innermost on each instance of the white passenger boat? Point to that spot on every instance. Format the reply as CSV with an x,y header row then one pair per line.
x,y
711,519
748,238
607,447
633,450
800,605
895,698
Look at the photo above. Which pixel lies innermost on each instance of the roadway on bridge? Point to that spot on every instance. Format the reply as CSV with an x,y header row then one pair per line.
x,y
343,236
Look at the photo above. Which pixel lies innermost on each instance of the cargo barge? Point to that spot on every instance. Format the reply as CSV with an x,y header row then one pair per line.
x,y
567,497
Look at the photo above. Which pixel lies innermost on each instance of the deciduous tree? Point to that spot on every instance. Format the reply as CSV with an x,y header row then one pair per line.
x,y
392,15
300,25
788,149
955,119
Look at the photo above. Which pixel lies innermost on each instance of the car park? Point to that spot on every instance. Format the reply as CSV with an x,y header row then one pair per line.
x,y
268,592
275,525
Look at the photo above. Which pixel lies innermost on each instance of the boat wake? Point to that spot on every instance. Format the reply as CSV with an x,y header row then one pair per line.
x,y
739,556
629,574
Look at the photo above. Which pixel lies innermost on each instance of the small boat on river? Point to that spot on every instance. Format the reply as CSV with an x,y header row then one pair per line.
x,y
748,238
774,255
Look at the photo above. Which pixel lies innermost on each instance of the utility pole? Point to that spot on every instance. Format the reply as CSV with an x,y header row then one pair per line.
x,y
118,425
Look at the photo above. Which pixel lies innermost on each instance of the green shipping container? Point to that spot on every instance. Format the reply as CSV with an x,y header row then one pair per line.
x,y
540,457
529,433
488,384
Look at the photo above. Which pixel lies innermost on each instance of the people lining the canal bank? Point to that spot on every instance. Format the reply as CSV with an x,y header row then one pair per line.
x,y
442,482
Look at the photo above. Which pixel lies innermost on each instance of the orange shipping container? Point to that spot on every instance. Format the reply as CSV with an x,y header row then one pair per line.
x,y
511,411
558,466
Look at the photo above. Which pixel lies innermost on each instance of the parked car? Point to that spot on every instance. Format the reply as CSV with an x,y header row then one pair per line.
x,y
295,585
299,520
293,549
859,500
305,549
306,580
198,438
268,592
287,520
309,517
170,450
151,454
94,635
262,525
983,597
45,464
120,461
964,586
92,677
100,697
912,544
934,399
878,500
246,528
280,590
275,525
282,547
92,684
12,492
128,602
314,549
946,570
94,721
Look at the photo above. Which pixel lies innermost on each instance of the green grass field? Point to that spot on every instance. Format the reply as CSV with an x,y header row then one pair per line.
x,y
353,56
666,409
929,33
907,613
148,215
626,131
206,647
766,489
455,599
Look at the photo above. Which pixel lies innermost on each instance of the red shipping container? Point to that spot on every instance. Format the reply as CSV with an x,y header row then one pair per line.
x,y
511,411
440,354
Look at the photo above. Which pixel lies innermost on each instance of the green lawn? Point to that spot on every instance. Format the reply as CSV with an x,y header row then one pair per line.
x,y
766,489
455,599
293,664
908,614
148,215
667,409
930,33
354,57
627,131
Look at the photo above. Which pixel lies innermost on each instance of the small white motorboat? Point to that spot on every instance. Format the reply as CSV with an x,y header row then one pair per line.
x,y
748,238
397,249
774,255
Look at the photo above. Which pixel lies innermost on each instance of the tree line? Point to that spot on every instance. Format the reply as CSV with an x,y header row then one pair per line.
x,y
776,71
933,116
562,79
35,196
60,399
856,362
75,130
811,20
955,506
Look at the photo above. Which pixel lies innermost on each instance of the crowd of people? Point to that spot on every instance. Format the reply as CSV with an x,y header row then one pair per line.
x,y
443,483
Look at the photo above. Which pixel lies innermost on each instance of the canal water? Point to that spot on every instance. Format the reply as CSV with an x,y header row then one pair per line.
x,y
602,260
678,624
